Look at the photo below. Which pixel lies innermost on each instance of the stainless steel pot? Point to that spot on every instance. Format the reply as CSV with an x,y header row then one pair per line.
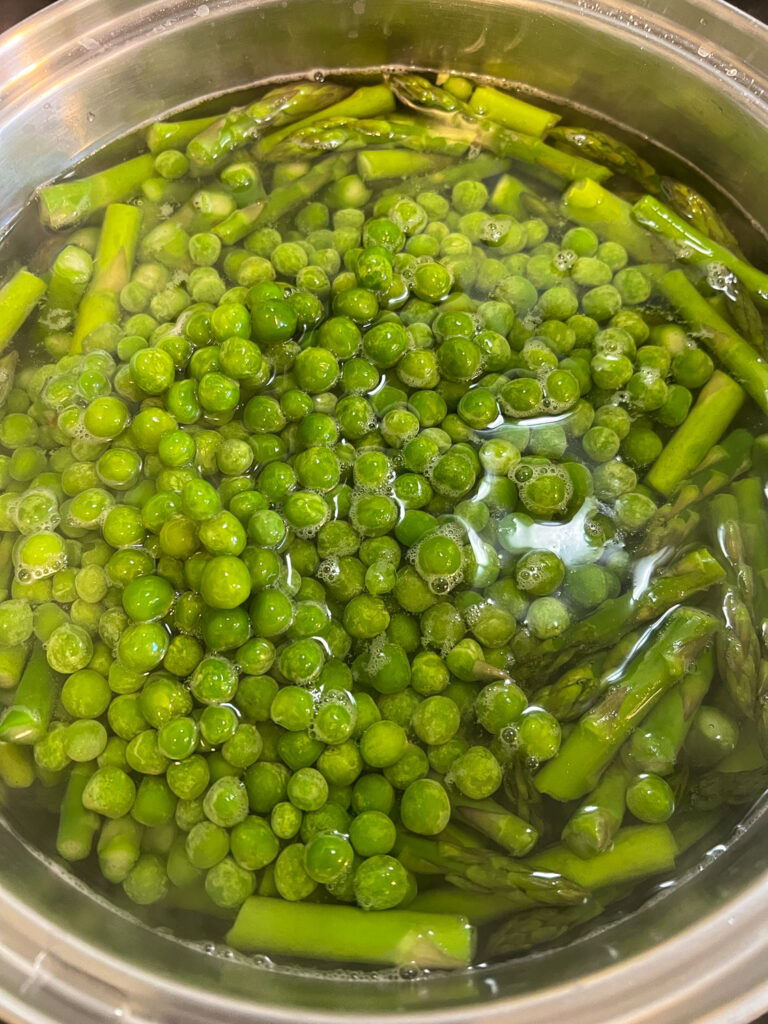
x,y
691,75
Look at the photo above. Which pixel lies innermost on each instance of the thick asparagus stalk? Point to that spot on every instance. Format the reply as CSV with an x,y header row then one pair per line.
x,y
698,210
118,848
163,135
12,661
73,201
598,735
592,826
72,270
604,149
114,264
736,355
638,851
476,169
26,720
574,692
339,134
477,907
695,247
656,745
18,297
512,833
380,164
717,789
17,769
588,203
339,933
77,826
367,101
511,112
718,402
538,925
478,869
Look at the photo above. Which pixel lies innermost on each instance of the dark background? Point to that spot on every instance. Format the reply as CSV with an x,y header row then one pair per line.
x,y
12,11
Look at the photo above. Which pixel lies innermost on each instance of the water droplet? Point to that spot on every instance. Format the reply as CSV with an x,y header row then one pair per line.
x,y
90,117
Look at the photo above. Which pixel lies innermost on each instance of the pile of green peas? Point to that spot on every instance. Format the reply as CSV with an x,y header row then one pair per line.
x,y
278,527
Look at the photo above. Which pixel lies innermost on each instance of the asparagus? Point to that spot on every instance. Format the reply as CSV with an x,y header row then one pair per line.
x,y
118,848
656,745
689,827
26,720
699,211
476,169
114,263
339,134
477,907
284,199
591,828
7,375
717,404
419,93
599,734
71,202
18,297
77,826
163,135
604,149
480,870
17,769
717,789
511,112
698,570
593,206
638,851
367,101
752,520
12,662
538,925
6,565
512,833
348,934
282,105
736,354
378,164
72,270
569,696
692,245
668,532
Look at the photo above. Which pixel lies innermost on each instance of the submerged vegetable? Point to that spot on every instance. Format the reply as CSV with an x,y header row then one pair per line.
x,y
372,519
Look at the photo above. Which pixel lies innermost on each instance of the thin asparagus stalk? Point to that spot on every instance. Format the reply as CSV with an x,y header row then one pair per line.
x,y
480,167
380,164
655,746
695,247
118,848
12,662
691,826
752,519
18,297
599,734
512,833
511,112
26,720
6,565
71,202
591,828
339,134
367,101
71,273
718,402
77,826
509,194
114,264
638,851
604,149
736,355
165,135
348,934
538,925
574,692
7,375
696,571
477,907
287,197
480,870
699,211
17,769
588,203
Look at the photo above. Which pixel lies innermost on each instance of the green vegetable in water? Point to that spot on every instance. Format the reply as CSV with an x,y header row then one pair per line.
x,y
382,540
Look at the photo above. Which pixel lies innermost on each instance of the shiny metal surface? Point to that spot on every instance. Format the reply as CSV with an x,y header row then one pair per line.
x,y
691,74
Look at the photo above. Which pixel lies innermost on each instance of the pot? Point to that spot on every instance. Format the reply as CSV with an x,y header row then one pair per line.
x,y
692,75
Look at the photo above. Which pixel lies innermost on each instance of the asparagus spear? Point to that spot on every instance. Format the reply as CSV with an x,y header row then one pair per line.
x,y
717,789
367,101
282,105
604,149
418,92
114,263
572,693
476,169
718,402
656,745
7,375
163,135
694,246
12,662
380,164
737,355
696,571
638,851
73,201
588,203
477,907
72,270
538,925
512,833
348,934
478,869
77,826
26,720
340,134
284,199
18,297
512,112
599,734
17,769
699,211
118,848
591,828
